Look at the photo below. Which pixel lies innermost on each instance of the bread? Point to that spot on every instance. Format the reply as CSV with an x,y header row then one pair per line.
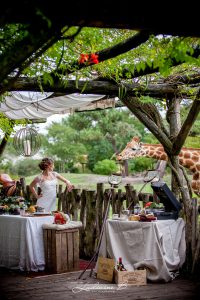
x,y
134,218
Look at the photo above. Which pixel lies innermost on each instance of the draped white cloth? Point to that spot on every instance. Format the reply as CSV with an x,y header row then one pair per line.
x,y
157,246
21,241
17,109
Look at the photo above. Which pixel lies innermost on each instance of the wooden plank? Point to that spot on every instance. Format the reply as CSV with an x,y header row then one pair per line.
x,y
76,249
70,251
58,254
49,262
18,285
64,252
45,234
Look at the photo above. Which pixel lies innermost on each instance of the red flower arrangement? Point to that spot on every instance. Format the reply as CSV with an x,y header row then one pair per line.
x,y
88,59
148,204
60,218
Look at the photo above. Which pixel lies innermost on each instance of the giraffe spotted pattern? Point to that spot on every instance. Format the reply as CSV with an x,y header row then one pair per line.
x,y
188,157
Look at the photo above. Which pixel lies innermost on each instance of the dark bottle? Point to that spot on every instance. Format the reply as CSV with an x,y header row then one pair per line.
x,y
120,266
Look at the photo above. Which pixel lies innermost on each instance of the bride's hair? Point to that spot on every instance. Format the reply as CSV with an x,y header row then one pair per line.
x,y
45,163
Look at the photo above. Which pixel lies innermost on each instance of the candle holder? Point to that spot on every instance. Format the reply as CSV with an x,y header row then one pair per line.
x,y
27,141
114,179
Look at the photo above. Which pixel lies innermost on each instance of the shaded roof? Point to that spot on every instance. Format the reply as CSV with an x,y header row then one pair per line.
x,y
182,20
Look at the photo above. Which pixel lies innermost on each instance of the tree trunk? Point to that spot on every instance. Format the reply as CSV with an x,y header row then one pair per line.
x,y
173,118
6,137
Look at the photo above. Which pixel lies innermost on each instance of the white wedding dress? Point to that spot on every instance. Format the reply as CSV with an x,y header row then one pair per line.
x,y
48,189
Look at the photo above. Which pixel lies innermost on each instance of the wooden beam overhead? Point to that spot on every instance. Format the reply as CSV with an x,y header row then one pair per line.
x,y
136,15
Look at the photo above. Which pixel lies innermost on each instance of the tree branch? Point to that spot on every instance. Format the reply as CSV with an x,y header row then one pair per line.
x,y
149,69
135,107
187,125
110,52
6,136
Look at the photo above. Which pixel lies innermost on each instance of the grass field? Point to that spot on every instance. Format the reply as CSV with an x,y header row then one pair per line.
x,y
89,181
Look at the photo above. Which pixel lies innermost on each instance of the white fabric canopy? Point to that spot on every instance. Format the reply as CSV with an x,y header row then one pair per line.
x,y
44,107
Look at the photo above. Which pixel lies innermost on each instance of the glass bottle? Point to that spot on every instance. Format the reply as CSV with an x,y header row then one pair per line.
x,y
137,209
121,265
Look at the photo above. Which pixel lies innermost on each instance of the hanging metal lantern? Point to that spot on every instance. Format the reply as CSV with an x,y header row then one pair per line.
x,y
27,141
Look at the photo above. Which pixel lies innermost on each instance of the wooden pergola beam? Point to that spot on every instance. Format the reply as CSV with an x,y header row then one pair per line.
x,y
108,88
123,15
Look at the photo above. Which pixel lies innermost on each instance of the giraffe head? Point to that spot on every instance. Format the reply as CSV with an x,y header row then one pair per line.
x,y
132,149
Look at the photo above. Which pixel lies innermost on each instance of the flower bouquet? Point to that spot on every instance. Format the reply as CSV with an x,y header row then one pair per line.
x,y
13,205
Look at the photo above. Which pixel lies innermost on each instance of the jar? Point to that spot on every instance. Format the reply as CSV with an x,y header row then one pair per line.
x,y
137,209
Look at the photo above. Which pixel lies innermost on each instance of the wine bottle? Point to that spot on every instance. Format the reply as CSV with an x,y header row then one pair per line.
x,y
121,265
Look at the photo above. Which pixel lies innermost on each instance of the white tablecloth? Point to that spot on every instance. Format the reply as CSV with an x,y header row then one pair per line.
x,y
158,246
21,242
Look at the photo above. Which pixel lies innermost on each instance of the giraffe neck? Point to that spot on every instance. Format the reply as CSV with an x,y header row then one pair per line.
x,y
153,151
188,157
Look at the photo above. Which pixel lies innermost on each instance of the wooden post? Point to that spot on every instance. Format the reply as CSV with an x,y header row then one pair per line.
x,y
83,220
75,203
90,229
23,186
131,196
119,201
59,197
28,193
99,208
113,201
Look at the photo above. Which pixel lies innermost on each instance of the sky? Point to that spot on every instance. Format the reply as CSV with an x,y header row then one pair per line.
x,y
54,118
41,127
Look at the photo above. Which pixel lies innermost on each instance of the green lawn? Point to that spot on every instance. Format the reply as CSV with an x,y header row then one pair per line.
x,y
89,181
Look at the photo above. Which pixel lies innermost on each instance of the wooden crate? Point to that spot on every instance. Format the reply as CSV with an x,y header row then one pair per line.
x,y
105,268
137,277
61,250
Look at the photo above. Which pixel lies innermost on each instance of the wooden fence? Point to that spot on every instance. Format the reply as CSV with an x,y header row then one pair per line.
x,y
89,207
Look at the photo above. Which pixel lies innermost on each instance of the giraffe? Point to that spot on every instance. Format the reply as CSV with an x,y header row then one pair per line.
x,y
188,157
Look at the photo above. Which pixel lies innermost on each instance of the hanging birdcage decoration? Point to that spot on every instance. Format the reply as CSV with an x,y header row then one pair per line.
x,y
27,141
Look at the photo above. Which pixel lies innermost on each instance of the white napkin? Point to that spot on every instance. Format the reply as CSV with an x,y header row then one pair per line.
x,y
70,224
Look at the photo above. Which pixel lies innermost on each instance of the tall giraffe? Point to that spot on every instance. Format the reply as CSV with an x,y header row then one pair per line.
x,y
188,157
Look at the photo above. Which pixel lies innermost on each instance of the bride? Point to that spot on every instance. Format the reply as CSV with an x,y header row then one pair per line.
x,y
47,181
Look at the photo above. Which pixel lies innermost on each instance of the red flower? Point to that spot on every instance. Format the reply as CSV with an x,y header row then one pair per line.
x,y
148,204
59,218
88,58
94,58
83,58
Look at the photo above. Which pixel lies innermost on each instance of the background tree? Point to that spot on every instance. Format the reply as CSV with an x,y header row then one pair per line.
x,y
99,135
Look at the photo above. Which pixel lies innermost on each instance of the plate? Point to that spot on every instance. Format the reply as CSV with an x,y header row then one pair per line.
x,y
41,214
